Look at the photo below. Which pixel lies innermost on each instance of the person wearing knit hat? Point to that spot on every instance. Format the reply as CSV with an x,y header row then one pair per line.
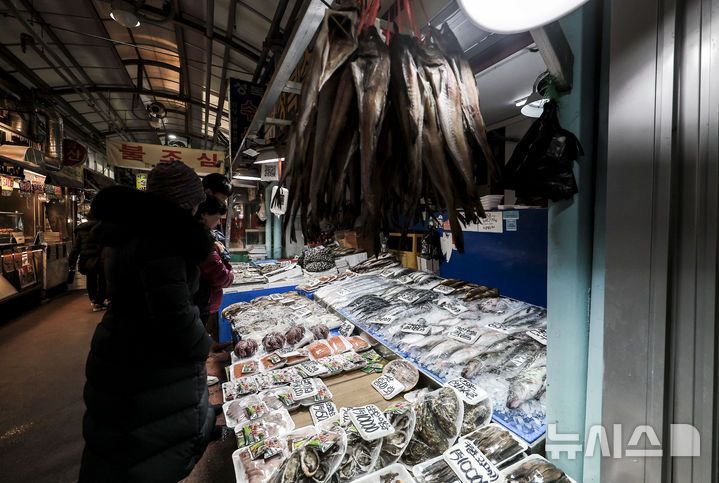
x,y
178,183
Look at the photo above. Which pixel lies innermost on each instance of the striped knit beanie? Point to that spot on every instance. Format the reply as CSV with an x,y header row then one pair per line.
x,y
176,182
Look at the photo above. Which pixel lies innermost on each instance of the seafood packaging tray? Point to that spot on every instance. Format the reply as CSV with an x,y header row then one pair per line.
x,y
529,426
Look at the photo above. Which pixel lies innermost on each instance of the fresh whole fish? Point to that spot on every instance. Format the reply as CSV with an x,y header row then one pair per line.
x,y
529,383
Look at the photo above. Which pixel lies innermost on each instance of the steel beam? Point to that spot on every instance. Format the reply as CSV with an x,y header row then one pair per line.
x,y
225,60
44,88
310,18
209,24
556,52
271,34
151,63
185,84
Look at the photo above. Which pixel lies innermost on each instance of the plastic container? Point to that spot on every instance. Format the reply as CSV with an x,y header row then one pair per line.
x,y
497,443
433,471
529,466
395,473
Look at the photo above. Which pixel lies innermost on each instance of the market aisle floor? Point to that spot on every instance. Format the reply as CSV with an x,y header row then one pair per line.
x,y
42,373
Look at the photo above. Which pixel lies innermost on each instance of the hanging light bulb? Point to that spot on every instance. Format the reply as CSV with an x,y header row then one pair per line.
x,y
512,16
124,12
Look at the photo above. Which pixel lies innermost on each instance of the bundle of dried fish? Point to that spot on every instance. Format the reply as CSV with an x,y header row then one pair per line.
x,y
435,471
439,416
481,292
536,470
383,153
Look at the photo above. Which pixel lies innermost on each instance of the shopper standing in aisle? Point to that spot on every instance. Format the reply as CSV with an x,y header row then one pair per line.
x,y
148,415
220,187
89,252
215,273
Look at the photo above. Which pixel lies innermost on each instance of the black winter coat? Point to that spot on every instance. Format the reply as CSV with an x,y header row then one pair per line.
x,y
148,415
86,248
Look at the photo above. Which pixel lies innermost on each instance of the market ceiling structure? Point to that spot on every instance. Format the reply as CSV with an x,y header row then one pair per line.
x,y
102,76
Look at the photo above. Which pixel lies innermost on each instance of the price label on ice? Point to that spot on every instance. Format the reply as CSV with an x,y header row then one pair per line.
x,y
277,296
287,301
384,320
387,386
470,465
405,280
323,411
468,391
303,313
409,297
344,291
347,328
443,289
454,307
499,327
303,389
370,422
464,334
540,335
413,328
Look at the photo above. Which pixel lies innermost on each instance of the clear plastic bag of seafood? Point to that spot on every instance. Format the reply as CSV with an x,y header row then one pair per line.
x,y
243,410
477,404
279,398
323,394
239,388
395,473
359,458
402,417
315,460
535,469
271,425
435,470
249,469
439,422
497,443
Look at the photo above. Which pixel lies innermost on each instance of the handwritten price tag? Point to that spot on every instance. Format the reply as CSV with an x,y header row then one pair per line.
x,y
276,296
323,411
384,320
303,313
499,327
303,389
443,289
540,335
344,291
405,280
370,422
453,307
412,328
468,391
409,297
312,368
347,328
464,334
470,465
388,386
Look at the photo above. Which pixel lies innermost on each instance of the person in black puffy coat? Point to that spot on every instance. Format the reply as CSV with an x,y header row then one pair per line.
x,y
148,415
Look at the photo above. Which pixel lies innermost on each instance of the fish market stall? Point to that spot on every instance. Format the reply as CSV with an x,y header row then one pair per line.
x,y
309,394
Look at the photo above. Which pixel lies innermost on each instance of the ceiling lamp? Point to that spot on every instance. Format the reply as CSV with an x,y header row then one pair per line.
x,y
268,156
512,16
124,12
247,175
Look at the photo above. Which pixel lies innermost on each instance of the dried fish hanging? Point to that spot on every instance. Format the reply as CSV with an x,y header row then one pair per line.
x,y
384,123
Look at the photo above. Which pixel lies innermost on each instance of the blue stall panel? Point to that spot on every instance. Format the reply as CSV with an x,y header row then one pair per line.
x,y
515,262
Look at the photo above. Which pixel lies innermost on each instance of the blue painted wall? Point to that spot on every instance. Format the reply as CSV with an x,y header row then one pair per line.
x,y
515,262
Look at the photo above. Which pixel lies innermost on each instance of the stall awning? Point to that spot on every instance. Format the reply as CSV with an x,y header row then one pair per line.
x,y
69,179
95,181
23,156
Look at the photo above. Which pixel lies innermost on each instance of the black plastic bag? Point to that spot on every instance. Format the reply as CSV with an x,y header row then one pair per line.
x,y
541,164
430,248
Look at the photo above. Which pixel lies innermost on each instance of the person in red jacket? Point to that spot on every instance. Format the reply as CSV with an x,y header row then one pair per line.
x,y
215,272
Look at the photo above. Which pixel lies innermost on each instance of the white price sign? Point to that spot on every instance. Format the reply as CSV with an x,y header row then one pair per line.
x,y
347,328
388,386
323,411
412,328
499,327
277,296
454,307
303,313
384,320
303,389
443,289
405,280
344,291
468,391
409,297
464,334
540,335
370,422
312,368
470,465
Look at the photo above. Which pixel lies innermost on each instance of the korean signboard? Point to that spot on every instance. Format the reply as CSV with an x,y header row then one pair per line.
x,y
245,98
145,156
